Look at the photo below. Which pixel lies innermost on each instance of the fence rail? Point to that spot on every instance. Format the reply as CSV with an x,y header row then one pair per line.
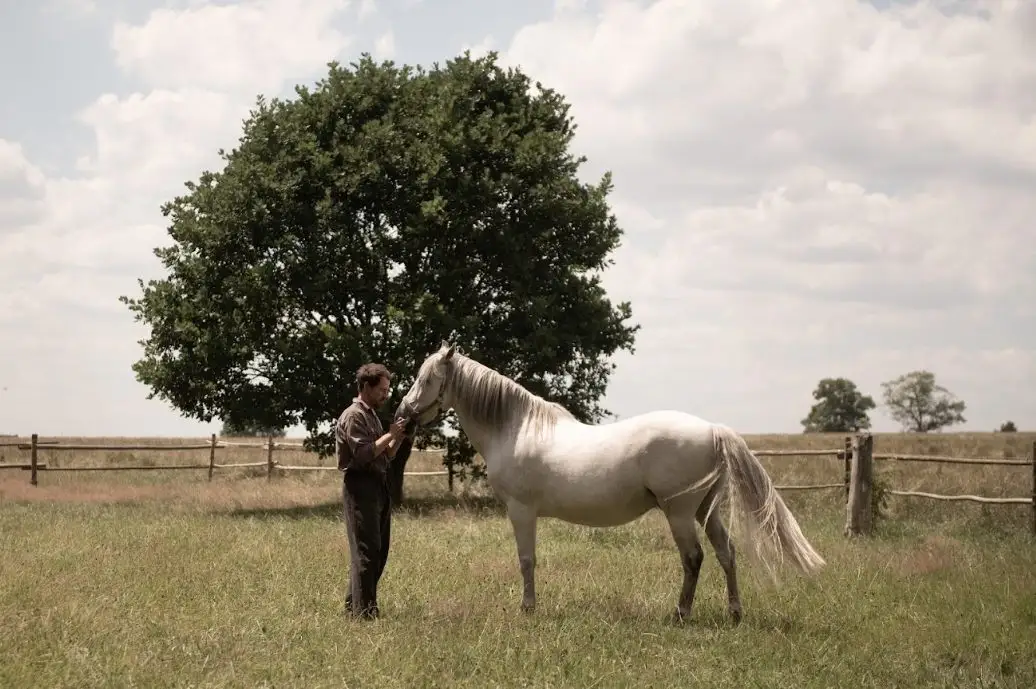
x,y
859,458
859,517
837,454
35,445
954,460
967,498
857,454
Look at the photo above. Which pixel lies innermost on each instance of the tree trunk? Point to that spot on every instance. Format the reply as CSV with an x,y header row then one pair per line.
x,y
396,469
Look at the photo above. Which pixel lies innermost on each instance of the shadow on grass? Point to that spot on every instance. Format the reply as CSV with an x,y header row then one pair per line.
x,y
761,618
452,506
616,610
329,510
421,507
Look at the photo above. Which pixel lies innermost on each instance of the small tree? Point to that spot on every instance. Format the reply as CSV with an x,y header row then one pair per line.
x,y
1008,427
841,407
919,404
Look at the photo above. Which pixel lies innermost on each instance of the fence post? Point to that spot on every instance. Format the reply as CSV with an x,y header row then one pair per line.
x,y
269,457
212,456
858,510
33,458
1033,458
848,464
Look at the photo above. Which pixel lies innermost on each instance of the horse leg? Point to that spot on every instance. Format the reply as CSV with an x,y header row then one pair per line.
x,y
724,548
685,534
523,522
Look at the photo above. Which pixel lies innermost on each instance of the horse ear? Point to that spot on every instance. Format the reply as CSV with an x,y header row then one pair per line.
x,y
449,352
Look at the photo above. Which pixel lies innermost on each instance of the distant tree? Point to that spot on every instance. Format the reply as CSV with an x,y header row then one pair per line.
x,y
919,404
1008,427
840,408
241,430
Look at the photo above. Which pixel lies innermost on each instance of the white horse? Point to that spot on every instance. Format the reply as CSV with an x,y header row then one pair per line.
x,y
543,462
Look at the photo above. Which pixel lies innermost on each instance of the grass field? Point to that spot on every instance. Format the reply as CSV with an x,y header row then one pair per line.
x,y
164,579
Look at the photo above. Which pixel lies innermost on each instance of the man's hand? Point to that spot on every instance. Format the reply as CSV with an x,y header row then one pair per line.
x,y
398,430
387,444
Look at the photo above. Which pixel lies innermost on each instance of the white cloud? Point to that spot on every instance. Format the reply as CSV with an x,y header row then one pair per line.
x,y
804,184
69,8
71,245
249,47
725,93
479,49
385,46
808,189
368,8
21,188
161,137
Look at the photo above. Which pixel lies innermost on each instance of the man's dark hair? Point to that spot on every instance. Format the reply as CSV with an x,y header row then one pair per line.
x,y
370,374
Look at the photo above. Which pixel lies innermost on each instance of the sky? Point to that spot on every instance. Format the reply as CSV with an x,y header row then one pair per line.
x,y
807,189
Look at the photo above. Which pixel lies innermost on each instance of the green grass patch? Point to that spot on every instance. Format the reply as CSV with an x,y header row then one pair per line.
x,y
245,592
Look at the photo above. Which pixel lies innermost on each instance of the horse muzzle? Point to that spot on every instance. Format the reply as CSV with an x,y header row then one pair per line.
x,y
404,411
412,414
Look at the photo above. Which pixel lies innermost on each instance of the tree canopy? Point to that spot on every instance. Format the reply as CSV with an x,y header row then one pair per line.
x,y
372,216
840,407
919,404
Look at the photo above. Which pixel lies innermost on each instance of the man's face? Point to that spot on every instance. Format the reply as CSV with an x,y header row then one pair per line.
x,y
377,394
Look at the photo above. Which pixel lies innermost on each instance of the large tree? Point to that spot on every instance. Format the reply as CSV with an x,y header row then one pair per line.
x,y
371,217
840,408
919,404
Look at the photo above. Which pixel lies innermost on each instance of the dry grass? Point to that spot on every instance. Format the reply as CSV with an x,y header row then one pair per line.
x,y
165,579
193,486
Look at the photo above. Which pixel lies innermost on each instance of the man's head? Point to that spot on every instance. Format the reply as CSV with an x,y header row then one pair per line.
x,y
372,384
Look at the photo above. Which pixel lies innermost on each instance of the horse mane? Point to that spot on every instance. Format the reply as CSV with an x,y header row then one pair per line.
x,y
492,398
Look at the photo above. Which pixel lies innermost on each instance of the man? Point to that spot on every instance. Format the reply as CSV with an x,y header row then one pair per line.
x,y
364,451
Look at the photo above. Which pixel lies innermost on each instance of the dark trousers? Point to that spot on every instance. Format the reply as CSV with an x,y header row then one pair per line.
x,y
368,520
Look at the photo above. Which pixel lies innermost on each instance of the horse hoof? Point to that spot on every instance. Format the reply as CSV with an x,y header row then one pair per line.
x,y
735,615
528,608
679,618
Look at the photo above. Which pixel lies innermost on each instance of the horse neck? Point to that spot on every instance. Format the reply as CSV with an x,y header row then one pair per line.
x,y
485,433
486,440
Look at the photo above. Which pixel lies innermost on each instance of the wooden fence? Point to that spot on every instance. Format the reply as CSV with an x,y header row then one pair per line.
x,y
35,445
857,454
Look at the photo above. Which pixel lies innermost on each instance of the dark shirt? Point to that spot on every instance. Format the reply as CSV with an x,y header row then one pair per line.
x,y
357,430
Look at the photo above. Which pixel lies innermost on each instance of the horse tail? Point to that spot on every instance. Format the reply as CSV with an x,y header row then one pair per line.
x,y
757,507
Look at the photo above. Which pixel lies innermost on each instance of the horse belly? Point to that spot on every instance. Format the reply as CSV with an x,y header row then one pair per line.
x,y
589,502
611,475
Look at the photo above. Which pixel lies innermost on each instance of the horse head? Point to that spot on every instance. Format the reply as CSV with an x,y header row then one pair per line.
x,y
423,401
